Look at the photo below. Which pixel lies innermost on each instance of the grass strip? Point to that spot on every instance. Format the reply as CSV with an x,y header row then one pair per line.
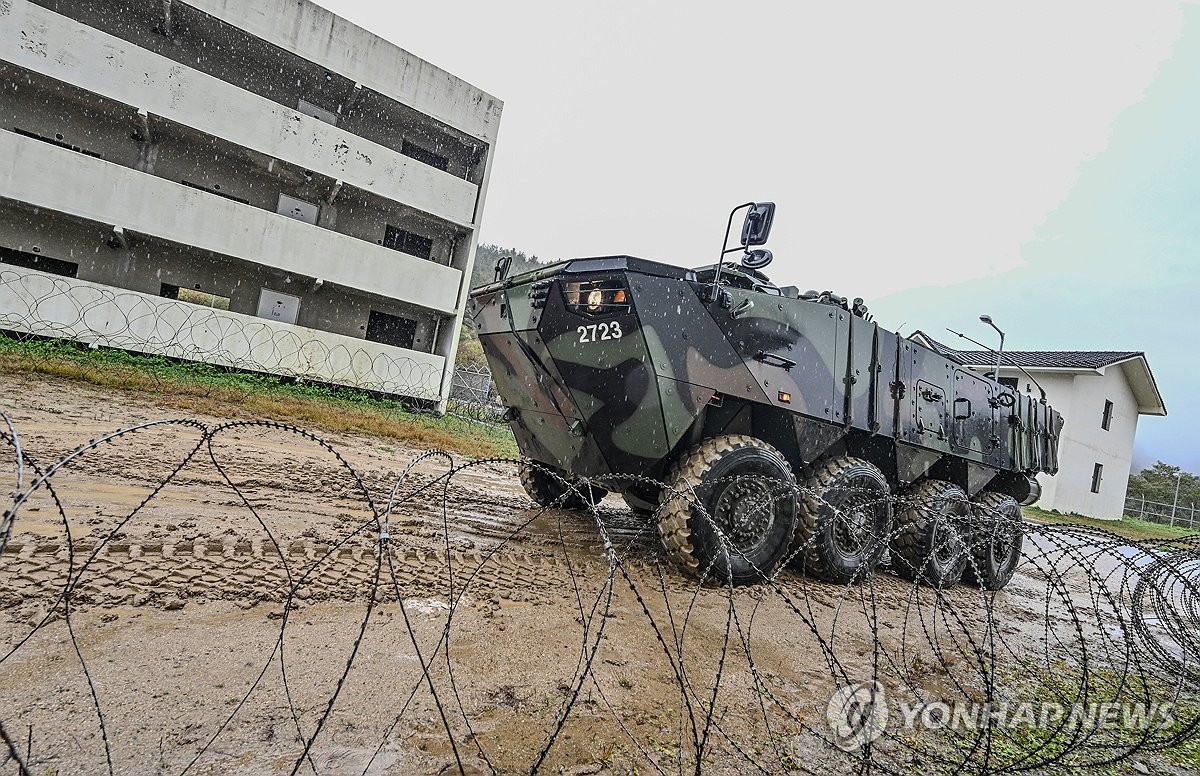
x,y
220,392
1127,527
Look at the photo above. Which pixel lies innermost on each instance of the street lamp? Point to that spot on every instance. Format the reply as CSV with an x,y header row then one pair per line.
x,y
1178,479
1000,353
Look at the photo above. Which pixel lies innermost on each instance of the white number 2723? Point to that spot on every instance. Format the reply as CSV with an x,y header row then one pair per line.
x,y
600,331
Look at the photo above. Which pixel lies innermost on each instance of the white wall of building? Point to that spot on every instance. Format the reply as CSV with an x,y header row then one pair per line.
x,y
1079,395
144,264
179,153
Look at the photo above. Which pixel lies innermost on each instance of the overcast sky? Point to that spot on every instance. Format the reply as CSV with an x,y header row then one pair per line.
x,y
1034,160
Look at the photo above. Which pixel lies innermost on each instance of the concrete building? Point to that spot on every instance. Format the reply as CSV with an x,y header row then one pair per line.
x,y
1100,395
263,185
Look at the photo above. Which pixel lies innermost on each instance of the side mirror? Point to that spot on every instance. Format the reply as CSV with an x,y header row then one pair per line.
x,y
757,227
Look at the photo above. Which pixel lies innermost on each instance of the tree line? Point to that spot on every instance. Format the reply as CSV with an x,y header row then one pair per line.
x,y
1157,483
486,256
470,352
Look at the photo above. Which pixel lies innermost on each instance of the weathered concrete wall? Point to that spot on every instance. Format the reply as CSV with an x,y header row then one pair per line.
x,y
210,45
43,175
48,305
144,264
31,103
179,153
63,49
306,29
210,93
363,215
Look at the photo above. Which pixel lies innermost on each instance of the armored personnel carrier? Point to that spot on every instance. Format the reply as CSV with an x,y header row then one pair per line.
x,y
785,426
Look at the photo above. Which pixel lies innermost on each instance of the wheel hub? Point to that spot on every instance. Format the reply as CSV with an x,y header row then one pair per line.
x,y
947,544
854,523
745,512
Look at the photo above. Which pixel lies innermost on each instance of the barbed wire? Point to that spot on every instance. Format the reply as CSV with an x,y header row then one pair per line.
x,y
42,305
881,674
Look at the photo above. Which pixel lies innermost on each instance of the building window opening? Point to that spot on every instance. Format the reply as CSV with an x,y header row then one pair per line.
x,y
391,330
57,140
407,242
1011,382
1106,421
35,261
195,296
1097,475
424,156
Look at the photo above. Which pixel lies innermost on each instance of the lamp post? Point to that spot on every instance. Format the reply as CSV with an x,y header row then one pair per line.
x,y
999,353
1178,479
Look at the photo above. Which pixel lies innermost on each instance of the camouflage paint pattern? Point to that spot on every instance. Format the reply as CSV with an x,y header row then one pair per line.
x,y
621,391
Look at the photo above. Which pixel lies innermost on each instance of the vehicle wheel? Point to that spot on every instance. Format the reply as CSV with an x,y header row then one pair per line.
x,y
928,539
996,540
842,527
548,490
744,493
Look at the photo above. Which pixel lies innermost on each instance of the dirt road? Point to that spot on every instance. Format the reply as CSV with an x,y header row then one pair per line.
x,y
224,603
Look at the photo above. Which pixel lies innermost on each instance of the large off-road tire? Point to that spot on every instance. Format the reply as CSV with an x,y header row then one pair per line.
x,y
548,490
738,524
995,539
928,541
843,522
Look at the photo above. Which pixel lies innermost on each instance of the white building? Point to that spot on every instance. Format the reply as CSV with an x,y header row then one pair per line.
x,y
259,184
1100,394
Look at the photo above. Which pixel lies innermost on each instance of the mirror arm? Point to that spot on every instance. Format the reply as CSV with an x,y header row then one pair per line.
x,y
725,251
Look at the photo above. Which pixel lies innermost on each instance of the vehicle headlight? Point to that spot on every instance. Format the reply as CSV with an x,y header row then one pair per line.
x,y
596,297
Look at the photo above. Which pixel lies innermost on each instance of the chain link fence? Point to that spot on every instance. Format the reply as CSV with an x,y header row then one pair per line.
x,y
473,394
1175,514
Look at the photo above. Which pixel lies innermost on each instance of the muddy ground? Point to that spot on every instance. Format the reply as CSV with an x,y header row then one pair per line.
x,y
225,624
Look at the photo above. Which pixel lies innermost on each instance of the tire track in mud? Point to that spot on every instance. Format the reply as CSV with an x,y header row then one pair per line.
x,y
533,556
161,573
169,574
